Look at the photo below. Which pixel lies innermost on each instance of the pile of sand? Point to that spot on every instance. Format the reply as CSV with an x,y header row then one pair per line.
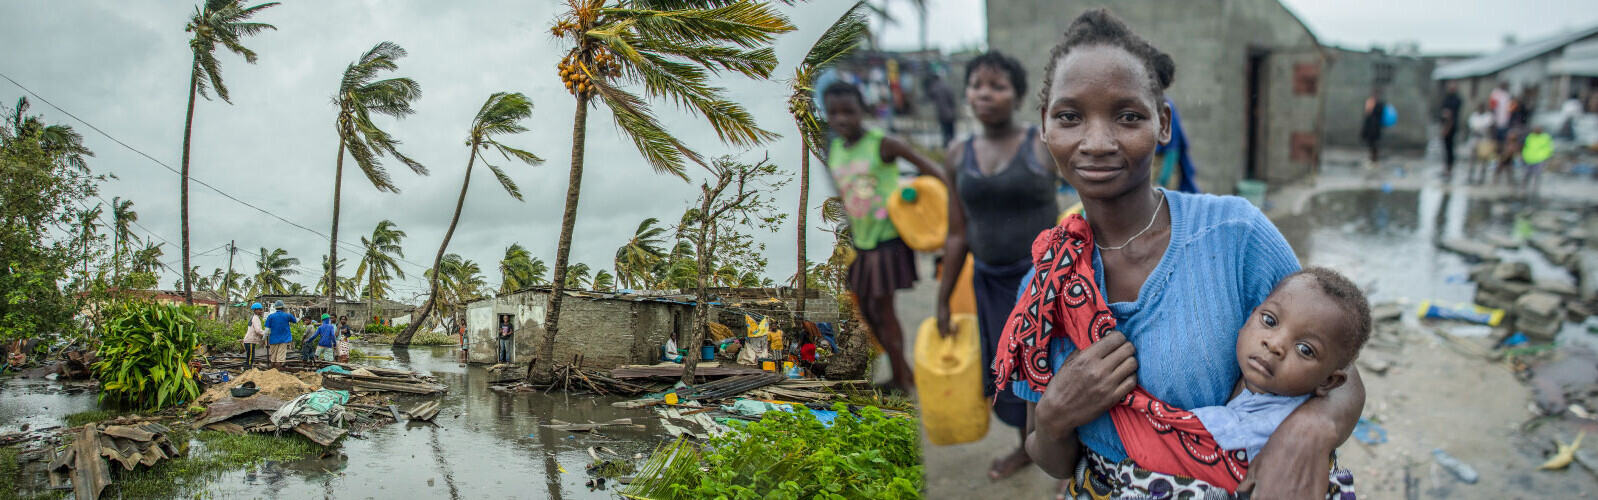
x,y
275,383
311,379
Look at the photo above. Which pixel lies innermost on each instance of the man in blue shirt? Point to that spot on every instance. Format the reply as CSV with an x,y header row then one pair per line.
x,y
326,337
279,336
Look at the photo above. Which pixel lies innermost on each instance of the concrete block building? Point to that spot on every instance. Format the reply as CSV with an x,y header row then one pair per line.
x,y
613,329
1249,77
1404,81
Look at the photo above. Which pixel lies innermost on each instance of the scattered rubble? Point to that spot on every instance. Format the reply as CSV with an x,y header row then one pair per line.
x,y
84,464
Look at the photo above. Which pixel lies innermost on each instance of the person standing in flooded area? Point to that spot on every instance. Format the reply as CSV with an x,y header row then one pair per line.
x,y
1002,197
279,323
1449,119
1370,130
254,334
505,333
1484,143
862,163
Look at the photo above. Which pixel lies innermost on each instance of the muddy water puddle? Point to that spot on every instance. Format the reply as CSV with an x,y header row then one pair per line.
x,y
482,444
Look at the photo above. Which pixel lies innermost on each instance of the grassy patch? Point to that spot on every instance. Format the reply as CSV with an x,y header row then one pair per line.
x,y
218,454
880,399
432,338
84,417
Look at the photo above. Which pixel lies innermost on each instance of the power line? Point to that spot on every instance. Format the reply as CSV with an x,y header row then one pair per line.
x,y
347,245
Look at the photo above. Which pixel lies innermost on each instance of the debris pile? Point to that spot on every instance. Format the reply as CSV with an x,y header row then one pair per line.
x,y
85,463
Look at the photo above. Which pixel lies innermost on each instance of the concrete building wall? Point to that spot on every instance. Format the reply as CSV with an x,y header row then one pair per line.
x,y
606,332
1210,40
1405,83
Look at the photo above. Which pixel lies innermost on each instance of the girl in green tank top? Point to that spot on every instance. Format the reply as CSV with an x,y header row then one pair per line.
x,y
862,164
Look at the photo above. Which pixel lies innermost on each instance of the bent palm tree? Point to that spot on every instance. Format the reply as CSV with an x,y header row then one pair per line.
x,y
379,264
671,47
359,96
839,39
519,269
122,217
502,113
578,278
638,257
604,281
460,281
217,22
272,271
147,259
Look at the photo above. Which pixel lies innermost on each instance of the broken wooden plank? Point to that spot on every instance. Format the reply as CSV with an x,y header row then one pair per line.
x,y
625,423
671,371
228,427
394,410
728,387
320,433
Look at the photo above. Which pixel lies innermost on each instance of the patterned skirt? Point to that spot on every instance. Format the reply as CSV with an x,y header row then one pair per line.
x,y
1097,478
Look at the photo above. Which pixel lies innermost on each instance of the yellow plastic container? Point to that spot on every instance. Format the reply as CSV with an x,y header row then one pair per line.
x,y
949,381
770,366
671,398
920,212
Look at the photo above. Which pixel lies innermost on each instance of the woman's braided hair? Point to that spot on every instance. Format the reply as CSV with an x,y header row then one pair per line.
x,y
1100,27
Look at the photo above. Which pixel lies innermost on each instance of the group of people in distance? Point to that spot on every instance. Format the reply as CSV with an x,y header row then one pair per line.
x,y
325,340
1149,303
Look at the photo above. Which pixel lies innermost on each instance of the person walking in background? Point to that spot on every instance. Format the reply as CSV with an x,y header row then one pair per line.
x,y
862,164
1483,145
326,338
1500,101
1568,112
1450,127
1537,149
308,338
254,334
279,323
1370,131
505,332
943,102
1001,197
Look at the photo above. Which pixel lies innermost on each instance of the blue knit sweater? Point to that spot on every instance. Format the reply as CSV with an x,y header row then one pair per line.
x,y
1224,258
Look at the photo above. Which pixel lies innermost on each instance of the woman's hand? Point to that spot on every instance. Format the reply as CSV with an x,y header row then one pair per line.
x,y
1088,383
943,319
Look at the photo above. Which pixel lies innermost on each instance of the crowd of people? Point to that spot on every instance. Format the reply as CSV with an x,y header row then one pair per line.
x,y
326,340
1158,341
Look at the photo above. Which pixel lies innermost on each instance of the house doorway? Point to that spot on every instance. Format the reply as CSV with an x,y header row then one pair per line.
x,y
505,339
1256,115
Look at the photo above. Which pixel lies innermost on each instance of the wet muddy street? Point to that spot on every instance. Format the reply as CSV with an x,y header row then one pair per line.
x,y
483,444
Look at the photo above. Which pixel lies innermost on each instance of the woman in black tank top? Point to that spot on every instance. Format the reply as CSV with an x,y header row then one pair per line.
x,y
1003,197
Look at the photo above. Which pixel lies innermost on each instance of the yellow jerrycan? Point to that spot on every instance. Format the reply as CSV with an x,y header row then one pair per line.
x,y
949,381
920,212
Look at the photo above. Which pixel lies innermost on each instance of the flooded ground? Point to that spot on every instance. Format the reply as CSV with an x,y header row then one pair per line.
x,y
1381,229
484,444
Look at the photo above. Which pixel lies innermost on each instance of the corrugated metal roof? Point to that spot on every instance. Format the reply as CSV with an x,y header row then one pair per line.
x,y
1510,56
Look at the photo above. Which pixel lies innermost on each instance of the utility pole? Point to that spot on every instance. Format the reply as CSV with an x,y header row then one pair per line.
x,y
231,249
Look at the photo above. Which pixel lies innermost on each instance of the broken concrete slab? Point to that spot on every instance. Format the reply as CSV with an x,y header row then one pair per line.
x,y
1561,288
1556,248
1587,274
1538,304
1512,271
1471,249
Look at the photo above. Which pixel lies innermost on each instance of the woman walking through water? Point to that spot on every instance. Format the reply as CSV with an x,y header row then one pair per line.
x,y
1003,196
1176,274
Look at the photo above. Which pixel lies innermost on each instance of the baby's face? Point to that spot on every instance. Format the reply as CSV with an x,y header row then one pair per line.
x,y
1294,343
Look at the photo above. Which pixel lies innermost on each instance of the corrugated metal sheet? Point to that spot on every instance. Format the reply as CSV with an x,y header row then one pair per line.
x,y
1510,56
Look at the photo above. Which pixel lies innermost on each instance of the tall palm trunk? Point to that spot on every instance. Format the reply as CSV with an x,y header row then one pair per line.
x,y
563,248
804,201
188,131
404,338
332,243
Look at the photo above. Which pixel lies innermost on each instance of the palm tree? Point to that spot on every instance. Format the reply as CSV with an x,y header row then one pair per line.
x,y
59,142
147,259
359,96
671,47
88,224
295,289
519,269
460,281
217,22
501,114
839,39
380,263
603,281
578,278
346,286
272,270
638,257
122,218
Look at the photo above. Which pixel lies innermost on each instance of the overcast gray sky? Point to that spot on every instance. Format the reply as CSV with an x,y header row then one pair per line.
x,y
123,66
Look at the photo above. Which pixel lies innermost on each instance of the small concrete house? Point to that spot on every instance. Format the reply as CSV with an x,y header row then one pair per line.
x,y
1249,77
609,329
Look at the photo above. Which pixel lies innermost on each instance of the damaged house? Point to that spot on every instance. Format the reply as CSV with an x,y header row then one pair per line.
x,y
613,329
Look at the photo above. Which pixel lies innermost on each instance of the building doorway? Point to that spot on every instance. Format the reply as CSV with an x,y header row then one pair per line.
x,y
505,339
1256,115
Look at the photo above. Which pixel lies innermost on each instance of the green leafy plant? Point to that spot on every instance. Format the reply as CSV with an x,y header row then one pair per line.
x,y
433,338
219,336
144,355
792,456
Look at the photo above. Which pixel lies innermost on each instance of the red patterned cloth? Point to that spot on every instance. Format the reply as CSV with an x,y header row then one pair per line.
x,y
1062,300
